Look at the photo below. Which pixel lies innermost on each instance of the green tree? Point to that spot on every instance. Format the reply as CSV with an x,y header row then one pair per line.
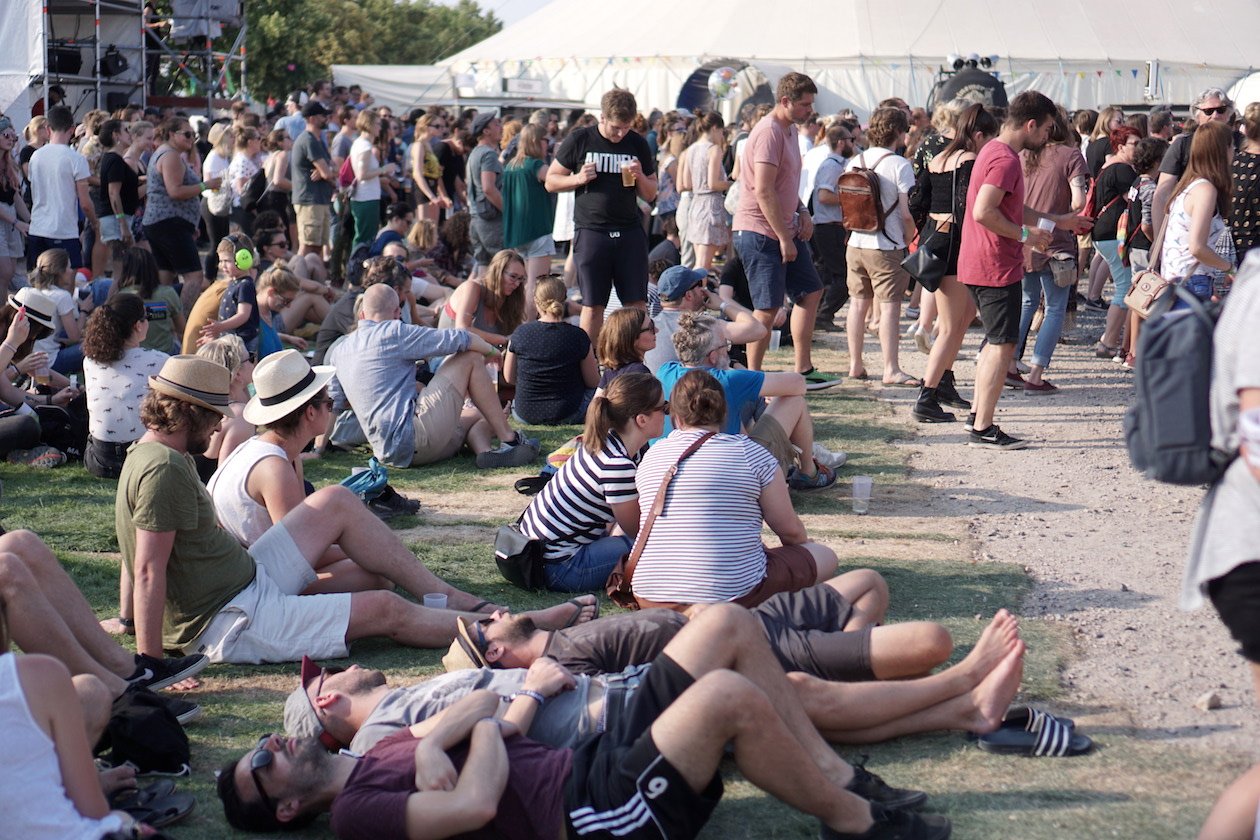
x,y
291,43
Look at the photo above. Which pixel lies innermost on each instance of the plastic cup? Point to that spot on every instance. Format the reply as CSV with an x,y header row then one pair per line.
x,y
357,470
627,175
862,493
435,601
1249,432
1046,224
43,376
776,339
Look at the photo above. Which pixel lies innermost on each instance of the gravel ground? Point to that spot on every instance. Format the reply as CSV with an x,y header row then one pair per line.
x,y
1104,546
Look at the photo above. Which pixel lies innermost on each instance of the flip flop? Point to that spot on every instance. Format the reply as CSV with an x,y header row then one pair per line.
x,y
907,382
126,800
577,611
1043,735
863,378
165,810
481,605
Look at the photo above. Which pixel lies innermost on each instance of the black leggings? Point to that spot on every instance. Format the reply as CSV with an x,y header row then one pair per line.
x,y
216,229
18,431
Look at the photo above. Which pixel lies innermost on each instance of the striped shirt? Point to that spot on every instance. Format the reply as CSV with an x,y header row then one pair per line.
x,y
575,507
706,545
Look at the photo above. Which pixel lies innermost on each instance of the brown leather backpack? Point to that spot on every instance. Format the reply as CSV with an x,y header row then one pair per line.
x,y
860,199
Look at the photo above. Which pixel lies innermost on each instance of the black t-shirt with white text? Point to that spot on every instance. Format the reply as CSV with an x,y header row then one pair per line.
x,y
604,204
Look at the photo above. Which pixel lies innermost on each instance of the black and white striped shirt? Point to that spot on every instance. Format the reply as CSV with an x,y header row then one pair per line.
x,y
575,507
706,545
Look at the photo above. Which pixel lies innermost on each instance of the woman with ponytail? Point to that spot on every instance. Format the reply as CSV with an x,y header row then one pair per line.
x,y
116,371
588,513
551,363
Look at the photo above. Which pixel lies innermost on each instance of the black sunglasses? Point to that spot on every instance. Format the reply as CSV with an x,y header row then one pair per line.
x,y
1219,109
261,758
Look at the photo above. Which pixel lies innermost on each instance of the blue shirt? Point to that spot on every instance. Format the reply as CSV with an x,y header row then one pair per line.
x,y
740,386
829,172
376,375
382,239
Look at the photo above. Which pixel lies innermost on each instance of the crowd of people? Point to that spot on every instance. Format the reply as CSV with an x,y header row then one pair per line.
x,y
209,302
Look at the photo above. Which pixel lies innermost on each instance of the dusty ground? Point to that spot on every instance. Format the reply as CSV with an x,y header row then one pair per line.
x,y
1104,545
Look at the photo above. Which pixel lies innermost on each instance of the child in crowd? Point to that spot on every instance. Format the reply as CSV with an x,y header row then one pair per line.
x,y
238,308
54,277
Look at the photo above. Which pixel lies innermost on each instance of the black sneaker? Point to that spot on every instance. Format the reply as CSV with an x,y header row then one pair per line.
x,y
154,674
1098,304
514,454
927,408
970,425
994,438
874,789
184,711
947,393
391,503
892,824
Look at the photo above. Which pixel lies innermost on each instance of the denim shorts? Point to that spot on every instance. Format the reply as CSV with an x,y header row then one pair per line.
x,y
543,246
769,278
110,229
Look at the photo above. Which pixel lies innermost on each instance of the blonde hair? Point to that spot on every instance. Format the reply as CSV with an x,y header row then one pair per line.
x,y
530,145
33,127
550,296
227,350
423,235
50,268
279,279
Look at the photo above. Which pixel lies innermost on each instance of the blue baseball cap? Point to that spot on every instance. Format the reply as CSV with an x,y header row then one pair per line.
x,y
677,280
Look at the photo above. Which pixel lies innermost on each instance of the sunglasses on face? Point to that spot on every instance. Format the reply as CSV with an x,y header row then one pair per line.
x,y
261,758
187,133
1219,109
649,327
663,408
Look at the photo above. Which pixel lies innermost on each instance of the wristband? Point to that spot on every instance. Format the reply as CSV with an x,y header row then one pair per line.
x,y
1023,233
120,216
202,185
6,345
532,695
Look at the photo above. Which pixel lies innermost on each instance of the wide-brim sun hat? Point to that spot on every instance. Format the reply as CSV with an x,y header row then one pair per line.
x,y
468,649
40,308
283,383
195,380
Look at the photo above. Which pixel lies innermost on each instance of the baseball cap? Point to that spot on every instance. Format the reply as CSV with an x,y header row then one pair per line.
x,y
300,717
314,109
677,280
479,124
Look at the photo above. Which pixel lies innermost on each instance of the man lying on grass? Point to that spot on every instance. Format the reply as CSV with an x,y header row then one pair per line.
x,y
653,775
198,590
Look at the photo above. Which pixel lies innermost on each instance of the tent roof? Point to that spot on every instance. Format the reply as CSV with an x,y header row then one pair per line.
x,y
1216,32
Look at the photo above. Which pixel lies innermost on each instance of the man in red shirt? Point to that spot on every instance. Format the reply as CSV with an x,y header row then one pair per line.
x,y
991,257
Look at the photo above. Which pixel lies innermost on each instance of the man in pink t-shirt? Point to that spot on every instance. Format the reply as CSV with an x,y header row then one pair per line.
x,y
991,256
772,227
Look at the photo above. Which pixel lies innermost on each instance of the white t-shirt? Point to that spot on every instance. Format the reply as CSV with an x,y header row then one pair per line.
x,y
810,162
55,173
65,306
896,177
362,158
115,391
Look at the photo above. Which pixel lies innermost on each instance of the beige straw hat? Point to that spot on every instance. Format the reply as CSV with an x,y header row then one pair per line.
x,y
283,383
195,380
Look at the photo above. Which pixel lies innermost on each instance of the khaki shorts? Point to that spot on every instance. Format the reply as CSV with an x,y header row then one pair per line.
x,y
439,432
314,222
770,434
877,274
268,621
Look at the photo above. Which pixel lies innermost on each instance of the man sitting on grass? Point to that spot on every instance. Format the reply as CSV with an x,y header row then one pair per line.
x,y
198,590
655,774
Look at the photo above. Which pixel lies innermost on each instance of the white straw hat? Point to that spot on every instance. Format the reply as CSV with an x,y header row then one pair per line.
x,y
283,383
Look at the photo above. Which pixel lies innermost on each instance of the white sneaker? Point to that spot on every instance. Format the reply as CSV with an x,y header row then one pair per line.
x,y
827,458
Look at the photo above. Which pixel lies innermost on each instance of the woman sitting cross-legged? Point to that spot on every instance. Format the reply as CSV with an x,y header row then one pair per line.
x,y
706,547
551,363
116,371
594,490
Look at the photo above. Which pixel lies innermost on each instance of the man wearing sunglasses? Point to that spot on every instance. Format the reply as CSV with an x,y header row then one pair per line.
x,y
654,774
1212,104
684,289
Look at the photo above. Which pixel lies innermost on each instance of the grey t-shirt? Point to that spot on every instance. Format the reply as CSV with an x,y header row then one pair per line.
x,y
308,148
1227,530
666,325
616,642
483,159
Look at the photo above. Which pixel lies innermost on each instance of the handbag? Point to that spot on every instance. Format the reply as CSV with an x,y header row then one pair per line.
x,y
1149,286
618,586
926,266
519,558
1063,270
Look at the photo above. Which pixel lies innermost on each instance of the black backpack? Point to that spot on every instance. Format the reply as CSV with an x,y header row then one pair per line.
x,y
1168,428
144,731
255,189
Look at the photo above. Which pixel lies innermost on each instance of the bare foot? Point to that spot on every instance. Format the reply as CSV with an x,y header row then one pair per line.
x,y
115,627
993,696
118,778
578,610
190,684
995,643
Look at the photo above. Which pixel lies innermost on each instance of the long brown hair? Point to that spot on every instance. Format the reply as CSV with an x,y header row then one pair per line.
x,y
974,119
509,308
1210,151
530,145
626,397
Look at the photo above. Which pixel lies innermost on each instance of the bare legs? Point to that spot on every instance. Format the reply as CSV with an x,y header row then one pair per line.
x,y
467,371
956,309
995,359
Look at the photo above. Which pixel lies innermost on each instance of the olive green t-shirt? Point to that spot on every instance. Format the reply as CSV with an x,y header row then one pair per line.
x,y
159,491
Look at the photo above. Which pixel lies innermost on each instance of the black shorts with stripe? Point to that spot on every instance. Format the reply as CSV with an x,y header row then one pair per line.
x,y
622,787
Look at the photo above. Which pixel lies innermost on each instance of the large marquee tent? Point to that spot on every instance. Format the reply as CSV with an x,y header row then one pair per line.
x,y
1082,54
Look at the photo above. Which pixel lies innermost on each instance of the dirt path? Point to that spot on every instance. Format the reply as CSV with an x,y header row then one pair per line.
x,y
1104,546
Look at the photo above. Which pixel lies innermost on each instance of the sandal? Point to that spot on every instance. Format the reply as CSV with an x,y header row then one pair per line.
x,y
134,798
904,381
578,606
1042,734
164,810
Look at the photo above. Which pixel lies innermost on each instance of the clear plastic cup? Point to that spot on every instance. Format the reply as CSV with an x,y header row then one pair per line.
x,y
435,600
776,339
862,493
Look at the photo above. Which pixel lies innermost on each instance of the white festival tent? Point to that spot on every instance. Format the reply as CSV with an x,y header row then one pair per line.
x,y
1078,52
1246,91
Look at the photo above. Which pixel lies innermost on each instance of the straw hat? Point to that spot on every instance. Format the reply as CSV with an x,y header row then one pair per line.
x,y
195,380
283,383
468,649
40,308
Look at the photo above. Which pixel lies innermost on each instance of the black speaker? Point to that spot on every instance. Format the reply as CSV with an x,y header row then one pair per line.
x,y
64,59
113,62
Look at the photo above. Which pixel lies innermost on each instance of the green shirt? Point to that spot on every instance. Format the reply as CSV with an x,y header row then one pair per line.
x,y
159,491
528,211
160,310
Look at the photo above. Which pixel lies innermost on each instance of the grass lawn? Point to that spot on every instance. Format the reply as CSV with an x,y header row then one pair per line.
x,y
1131,786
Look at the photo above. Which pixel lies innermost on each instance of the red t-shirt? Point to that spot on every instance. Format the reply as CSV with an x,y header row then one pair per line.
x,y
769,142
984,258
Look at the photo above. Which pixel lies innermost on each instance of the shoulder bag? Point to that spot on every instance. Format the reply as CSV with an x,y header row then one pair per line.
x,y
925,265
619,580
1149,286
519,558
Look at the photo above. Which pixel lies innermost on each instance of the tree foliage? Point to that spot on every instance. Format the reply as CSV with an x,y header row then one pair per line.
x,y
291,43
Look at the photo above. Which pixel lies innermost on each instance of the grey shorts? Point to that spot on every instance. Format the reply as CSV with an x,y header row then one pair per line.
x,y
795,624
487,239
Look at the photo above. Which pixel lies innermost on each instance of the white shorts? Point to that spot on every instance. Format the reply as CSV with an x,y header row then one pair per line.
x,y
268,621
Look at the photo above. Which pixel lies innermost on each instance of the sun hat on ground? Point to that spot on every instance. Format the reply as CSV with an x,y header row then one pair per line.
x,y
40,308
195,380
283,383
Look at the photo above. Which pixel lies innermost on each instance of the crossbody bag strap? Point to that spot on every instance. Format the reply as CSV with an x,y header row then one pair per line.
x,y
658,506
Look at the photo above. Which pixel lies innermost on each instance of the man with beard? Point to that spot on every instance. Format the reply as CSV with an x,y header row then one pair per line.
x,y
772,228
653,774
198,590
996,229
